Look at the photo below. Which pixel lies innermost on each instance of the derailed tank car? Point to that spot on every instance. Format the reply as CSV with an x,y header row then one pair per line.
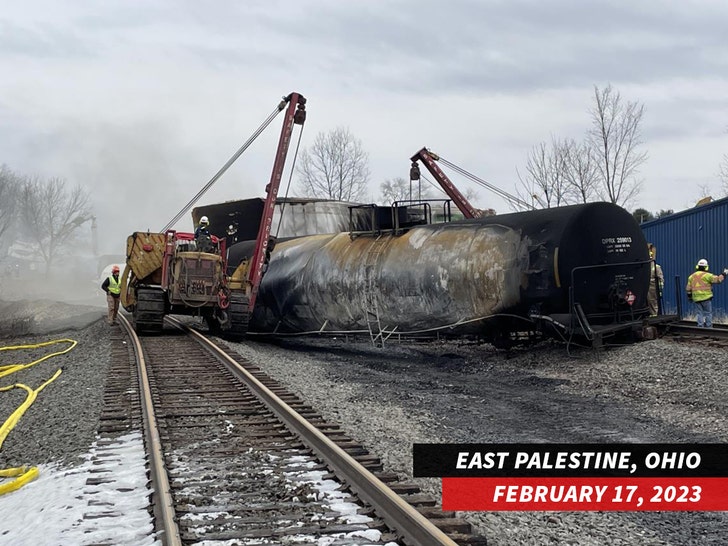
x,y
576,270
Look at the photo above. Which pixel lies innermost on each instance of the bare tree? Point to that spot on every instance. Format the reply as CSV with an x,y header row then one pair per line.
x,y
580,171
614,139
546,181
51,214
471,194
723,174
704,190
9,187
336,167
399,189
534,184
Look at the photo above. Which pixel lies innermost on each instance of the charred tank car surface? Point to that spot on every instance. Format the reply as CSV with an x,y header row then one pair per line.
x,y
580,269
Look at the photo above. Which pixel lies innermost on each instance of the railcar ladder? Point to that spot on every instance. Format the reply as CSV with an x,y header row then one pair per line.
x,y
371,301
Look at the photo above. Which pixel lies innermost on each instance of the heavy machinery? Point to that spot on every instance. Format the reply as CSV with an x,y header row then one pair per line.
x,y
172,273
430,159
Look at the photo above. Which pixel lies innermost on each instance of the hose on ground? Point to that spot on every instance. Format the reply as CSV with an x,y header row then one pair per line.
x,y
12,368
24,474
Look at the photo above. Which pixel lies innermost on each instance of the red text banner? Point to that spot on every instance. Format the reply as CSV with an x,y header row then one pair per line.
x,y
585,494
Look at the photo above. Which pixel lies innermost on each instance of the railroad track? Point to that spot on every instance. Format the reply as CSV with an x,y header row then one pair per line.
x,y
235,456
687,331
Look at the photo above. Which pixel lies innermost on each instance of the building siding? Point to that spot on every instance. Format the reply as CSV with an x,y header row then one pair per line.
x,y
684,238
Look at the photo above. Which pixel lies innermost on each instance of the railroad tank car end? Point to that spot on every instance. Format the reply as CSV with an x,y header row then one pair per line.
x,y
575,271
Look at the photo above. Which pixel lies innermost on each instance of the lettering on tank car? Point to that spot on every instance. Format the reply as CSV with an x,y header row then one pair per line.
x,y
617,245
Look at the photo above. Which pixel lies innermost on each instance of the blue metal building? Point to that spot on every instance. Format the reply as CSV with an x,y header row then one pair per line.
x,y
681,240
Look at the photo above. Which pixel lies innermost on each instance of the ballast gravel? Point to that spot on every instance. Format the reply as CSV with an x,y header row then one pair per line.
x,y
438,391
465,392
61,423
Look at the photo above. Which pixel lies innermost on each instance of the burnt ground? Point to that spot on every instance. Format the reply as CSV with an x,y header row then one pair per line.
x,y
487,395
465,392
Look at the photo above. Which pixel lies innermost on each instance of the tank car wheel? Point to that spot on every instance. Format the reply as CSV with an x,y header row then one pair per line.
x,y
502,339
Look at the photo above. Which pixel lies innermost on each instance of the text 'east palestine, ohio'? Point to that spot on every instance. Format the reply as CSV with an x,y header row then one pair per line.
x,y
564,460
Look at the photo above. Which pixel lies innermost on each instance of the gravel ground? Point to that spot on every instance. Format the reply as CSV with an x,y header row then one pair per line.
x,y
61,424
455,391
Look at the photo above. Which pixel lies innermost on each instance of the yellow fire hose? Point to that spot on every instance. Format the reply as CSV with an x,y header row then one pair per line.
x,y
11,368
24,474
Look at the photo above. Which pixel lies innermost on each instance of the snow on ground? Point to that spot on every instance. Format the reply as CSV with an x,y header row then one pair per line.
x,y
60,508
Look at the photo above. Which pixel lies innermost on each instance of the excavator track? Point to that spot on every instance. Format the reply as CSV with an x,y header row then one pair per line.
x,y
239,312
149,310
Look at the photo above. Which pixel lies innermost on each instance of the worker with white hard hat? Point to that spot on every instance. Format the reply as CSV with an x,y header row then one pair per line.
x,y
700,291
202,235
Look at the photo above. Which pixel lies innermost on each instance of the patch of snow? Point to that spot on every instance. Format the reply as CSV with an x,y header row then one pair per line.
x,y
61,508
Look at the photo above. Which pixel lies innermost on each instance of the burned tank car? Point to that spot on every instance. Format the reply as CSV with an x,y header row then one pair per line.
x,y
573,267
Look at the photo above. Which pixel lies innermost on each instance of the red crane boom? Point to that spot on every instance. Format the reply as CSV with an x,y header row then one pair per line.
x,y
429,159
295,115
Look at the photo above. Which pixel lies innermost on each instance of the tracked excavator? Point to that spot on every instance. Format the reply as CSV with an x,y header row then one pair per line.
x,y
170,272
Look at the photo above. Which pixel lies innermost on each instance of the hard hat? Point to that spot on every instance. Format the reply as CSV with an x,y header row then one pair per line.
x,y
702,262
204,220
115,269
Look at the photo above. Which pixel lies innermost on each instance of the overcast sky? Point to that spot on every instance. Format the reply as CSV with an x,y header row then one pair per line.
x,y
143,102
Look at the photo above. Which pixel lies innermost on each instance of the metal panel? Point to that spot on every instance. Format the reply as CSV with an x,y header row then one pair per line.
x,y
684,238
297,217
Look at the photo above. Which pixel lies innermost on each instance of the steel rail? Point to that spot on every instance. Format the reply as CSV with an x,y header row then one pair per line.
x,y
164,505
399,515
718,331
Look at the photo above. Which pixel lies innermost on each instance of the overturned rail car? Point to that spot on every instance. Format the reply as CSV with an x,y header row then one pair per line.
x,y
580,270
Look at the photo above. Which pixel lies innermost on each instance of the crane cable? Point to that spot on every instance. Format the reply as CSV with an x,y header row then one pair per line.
x,y
434,185
225,167
512,198
24,474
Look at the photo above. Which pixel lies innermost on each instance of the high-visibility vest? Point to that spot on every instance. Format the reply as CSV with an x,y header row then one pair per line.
x,y
700,284
114,285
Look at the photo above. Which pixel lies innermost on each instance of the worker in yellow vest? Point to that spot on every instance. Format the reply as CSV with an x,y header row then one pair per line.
x,y
700,290
112,287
